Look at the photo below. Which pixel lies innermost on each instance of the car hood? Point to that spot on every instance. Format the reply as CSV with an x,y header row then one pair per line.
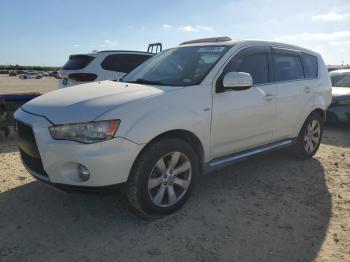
x,y
340,91
87,102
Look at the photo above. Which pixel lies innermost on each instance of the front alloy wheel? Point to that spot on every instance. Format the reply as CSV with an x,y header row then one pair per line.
x,y
169,179
162,177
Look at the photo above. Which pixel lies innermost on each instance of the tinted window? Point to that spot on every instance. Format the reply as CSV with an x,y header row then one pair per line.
x,y
340,79
256,65
123,62
287,67
78,62
310,65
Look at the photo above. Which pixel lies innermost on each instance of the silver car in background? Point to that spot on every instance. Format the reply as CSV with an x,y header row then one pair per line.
x,y
339,110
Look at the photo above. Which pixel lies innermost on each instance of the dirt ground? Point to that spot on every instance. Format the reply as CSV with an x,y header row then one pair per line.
x,y
14,84
269,208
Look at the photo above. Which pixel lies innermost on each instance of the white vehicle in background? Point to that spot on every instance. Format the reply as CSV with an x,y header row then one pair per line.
x,y
191,109
30,75
103,65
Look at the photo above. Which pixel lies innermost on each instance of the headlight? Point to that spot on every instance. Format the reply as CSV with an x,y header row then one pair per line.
x,y
90,132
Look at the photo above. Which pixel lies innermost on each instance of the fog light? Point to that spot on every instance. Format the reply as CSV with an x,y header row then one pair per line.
x,y
84,173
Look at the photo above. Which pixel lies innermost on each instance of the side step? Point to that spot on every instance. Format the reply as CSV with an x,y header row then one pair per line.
x,y
230,159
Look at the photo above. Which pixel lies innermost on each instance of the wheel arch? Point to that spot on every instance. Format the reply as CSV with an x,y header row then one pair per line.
x,y
185,135
318,110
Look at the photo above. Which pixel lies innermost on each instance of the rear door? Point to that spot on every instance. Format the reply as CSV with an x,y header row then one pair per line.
x,y
244,119
293,91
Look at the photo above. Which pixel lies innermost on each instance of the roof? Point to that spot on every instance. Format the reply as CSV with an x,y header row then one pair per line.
x,y
226,41
114,51
126,51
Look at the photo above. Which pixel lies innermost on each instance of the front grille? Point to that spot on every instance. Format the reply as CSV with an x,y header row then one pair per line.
x,y
25,132
28,149
26,140
34,164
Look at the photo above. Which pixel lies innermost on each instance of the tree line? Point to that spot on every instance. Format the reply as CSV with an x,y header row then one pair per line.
x,y
29,68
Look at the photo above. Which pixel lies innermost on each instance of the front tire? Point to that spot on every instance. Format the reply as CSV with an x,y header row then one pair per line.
x,y
162,177
309,138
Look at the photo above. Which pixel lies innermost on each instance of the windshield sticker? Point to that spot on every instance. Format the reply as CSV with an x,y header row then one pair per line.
x,y
212,49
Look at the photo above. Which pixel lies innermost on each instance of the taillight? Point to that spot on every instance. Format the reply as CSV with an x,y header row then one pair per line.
x,y
82,77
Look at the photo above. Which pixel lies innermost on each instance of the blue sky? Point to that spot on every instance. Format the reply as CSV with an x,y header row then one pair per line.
x,y
45,32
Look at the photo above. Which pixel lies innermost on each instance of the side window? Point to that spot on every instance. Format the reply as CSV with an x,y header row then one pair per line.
x,y
310,65
255,64
123,62
287,67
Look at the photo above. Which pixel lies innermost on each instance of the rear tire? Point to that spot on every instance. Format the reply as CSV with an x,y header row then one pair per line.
x,y
310,137
162,177
5,130
2,135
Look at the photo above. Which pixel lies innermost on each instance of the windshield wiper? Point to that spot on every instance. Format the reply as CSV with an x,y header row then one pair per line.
x,y
145,81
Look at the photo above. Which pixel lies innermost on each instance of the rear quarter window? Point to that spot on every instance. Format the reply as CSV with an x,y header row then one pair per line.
x,y
310,65
123,62
76,62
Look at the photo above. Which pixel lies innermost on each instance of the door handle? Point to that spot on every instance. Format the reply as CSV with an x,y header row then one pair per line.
x,y
307,89
269,97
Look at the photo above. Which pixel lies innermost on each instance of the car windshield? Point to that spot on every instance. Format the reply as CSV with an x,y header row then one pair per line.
x,y
341,79
183,66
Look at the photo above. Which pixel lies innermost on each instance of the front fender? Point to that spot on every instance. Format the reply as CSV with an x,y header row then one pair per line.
x,y
162,120
145,119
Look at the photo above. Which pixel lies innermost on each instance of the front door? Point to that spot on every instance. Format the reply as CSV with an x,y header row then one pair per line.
x,y
244,119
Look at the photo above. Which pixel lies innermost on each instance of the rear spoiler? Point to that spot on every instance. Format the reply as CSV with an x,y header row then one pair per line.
x,y
155,48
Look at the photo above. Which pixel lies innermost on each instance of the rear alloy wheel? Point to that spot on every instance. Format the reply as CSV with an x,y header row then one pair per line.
x,y
310,136
162,177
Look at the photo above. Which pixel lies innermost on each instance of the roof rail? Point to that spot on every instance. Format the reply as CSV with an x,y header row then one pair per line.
x,y
153,48
208,40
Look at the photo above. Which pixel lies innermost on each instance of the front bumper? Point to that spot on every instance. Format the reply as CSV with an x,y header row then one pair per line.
x,y
57,161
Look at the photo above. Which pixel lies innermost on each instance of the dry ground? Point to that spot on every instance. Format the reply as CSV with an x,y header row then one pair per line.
x,y
13,84
269,208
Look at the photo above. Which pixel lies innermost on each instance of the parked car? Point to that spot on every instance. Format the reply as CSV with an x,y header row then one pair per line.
x,y
28,75
191,109
54,74
339,110
12,73
104,65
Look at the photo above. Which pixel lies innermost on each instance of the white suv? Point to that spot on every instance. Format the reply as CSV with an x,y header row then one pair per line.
x,y
98,66
188,110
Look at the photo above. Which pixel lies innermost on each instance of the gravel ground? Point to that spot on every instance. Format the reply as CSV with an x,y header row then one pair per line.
x,y
269,208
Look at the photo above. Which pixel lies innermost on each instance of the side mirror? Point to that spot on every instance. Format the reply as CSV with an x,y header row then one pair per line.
x,y
236,81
